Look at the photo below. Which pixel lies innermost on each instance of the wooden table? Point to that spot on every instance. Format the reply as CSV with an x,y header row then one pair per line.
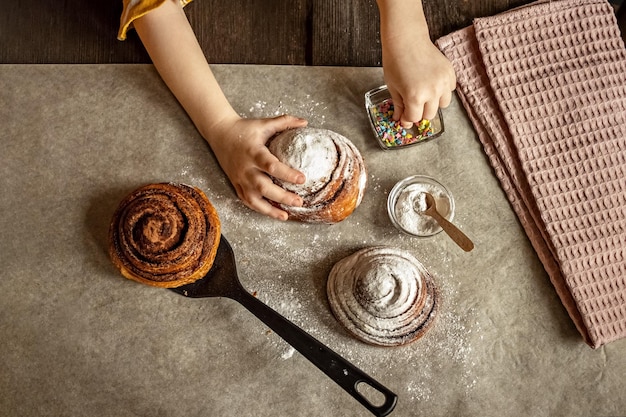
x,y
301,32
78,339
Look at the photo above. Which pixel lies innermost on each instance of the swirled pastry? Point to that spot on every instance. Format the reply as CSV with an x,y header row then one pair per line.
x,y
165,235
335,173
383,296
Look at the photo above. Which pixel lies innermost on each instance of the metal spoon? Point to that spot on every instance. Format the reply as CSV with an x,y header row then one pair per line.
x,y
455,234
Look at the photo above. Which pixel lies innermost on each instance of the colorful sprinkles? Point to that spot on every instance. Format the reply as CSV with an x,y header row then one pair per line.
x,y
391,133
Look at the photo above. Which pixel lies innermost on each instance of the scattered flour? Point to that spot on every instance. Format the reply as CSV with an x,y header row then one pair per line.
x,y
445,349
288,353
309,109
289,289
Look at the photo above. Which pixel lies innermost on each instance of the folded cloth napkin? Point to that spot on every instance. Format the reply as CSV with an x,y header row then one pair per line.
x,y
545,88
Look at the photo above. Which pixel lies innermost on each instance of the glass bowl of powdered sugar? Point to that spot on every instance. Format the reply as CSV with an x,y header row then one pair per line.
x,y
406,205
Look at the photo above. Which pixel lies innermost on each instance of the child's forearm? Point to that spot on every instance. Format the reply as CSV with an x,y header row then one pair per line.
x,y
177,56
420,79
399,16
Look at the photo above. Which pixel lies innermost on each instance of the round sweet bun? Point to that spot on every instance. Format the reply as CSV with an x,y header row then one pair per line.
x,y
383,296
335,173
164,235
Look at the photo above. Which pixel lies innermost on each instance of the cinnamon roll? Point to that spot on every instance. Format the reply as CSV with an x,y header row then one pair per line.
x,y
383,296
335,173
165,235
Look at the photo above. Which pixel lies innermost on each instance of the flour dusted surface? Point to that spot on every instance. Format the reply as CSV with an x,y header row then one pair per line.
x,y
296,276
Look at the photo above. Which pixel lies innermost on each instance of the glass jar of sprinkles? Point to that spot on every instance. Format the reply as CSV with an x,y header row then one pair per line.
x,y
389,133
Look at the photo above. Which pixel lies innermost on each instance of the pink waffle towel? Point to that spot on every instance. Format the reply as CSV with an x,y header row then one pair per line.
x,y
545,88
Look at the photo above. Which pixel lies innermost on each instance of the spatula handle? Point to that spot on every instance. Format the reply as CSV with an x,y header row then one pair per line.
x,y
346,375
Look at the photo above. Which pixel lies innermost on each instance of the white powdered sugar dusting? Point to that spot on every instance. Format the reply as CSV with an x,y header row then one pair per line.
x,y
294,285
411,204
310,109
383,295
334,167
310,151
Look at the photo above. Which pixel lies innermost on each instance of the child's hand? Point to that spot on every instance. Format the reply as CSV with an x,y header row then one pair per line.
x,y
240,147
238,144
419,77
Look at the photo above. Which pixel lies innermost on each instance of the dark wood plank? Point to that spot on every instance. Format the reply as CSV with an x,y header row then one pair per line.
x,y
78,31
251,31
621,19
71,31
447,16
348,32
304,32
345,33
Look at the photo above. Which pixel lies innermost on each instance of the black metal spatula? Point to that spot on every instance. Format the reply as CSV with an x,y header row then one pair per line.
x,y
222,281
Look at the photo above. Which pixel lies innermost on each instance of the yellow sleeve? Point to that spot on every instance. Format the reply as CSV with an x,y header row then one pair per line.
x,y
134,9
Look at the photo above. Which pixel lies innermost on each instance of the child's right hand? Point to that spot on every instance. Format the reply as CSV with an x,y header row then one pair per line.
x,y
240,147
419,77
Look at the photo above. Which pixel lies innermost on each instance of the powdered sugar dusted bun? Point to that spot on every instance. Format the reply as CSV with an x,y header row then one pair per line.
x,y
334,169
383,296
